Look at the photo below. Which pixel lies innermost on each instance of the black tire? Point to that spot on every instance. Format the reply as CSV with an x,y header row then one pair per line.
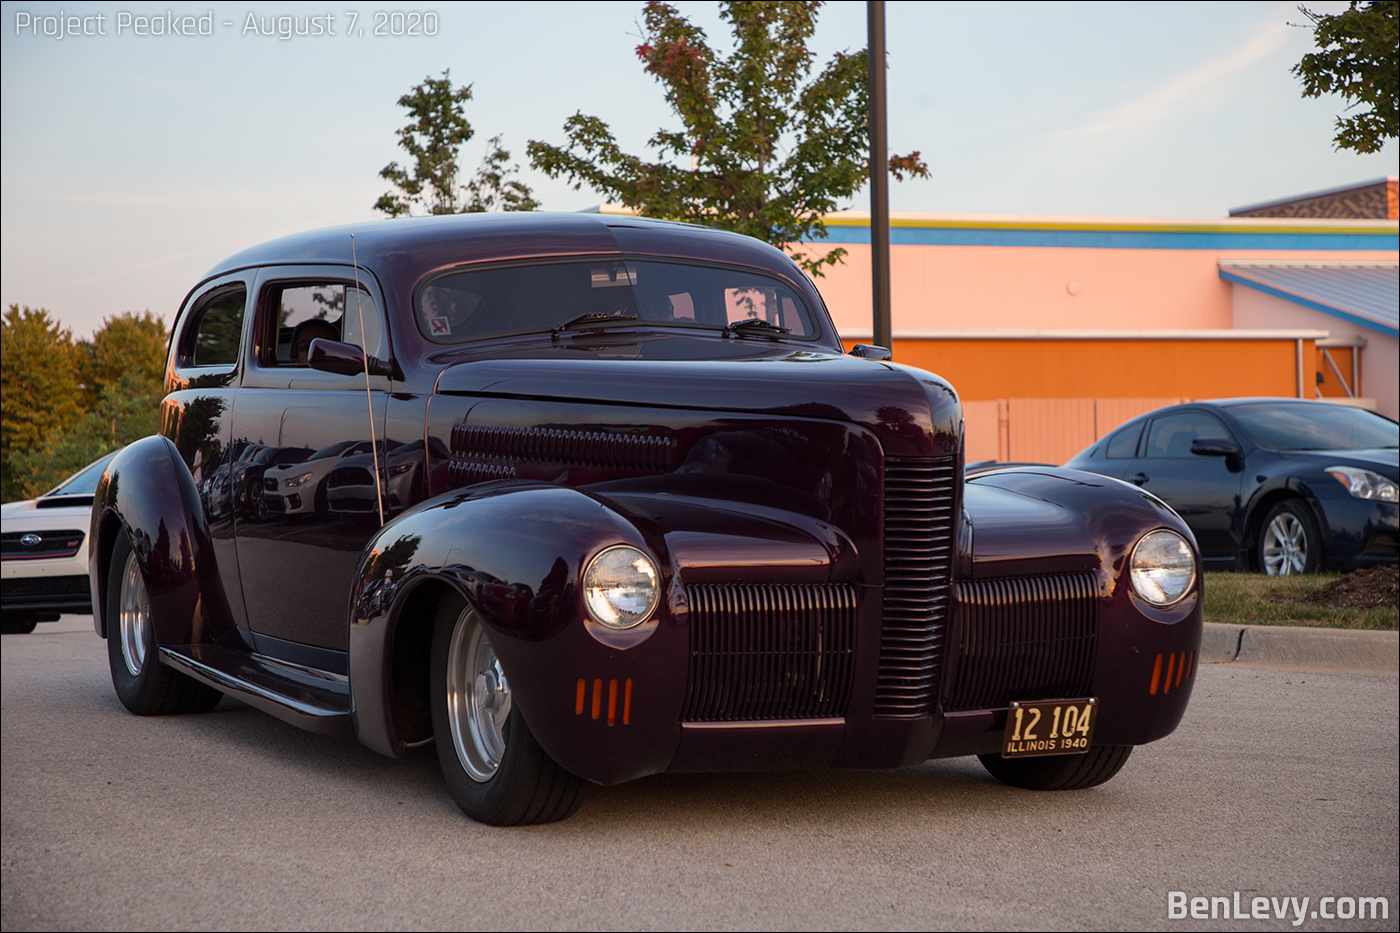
x,y
1289,542
144,685
18,623
494,768
1059,772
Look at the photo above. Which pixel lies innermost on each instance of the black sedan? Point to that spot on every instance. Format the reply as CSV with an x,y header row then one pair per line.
x,y
1277,485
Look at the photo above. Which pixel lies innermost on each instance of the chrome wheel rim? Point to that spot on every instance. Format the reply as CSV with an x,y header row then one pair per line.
x,y
134,617
478,699
1285,546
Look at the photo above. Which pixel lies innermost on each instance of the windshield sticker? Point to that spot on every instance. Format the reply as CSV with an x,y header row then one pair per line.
x,y
439,326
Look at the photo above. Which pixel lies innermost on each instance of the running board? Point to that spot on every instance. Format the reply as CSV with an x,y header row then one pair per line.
x,y
318,701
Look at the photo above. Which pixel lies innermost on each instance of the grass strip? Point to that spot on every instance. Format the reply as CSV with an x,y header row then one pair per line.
x,y
1256,599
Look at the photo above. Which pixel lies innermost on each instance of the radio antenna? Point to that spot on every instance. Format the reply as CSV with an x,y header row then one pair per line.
x,y
369,399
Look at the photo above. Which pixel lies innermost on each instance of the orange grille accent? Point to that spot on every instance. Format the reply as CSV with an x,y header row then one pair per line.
x,y
1180,667
581,695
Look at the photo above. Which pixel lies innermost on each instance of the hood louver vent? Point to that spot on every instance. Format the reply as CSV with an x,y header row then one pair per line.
x,y
482,452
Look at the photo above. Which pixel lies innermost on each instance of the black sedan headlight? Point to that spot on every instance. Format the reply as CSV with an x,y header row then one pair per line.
x,y
1363,484
1162,568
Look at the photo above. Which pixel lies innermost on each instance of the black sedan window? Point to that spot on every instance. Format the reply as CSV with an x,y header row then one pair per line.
x,y
1123,445
541,297
1308,426
1172,436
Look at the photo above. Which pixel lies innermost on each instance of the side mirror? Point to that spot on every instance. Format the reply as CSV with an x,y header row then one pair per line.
x,y
866,351
344,359
1215,447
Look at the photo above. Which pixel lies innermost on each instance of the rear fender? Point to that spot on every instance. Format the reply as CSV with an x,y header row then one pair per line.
x,y
148,495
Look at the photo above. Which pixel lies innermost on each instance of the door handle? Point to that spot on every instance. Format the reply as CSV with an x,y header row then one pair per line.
x,y
1138,478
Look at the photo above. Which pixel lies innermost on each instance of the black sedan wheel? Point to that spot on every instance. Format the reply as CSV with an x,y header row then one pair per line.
x,y
1288,541
494,768
144,685
1059,772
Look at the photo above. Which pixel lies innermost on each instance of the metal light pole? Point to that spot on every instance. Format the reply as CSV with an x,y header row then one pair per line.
x,y
879,177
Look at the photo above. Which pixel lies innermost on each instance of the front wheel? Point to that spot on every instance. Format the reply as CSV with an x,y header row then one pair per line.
x,y
1059,772
494,768
1288,541
144,685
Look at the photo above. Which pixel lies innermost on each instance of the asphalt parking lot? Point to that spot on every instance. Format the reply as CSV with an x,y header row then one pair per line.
x,y
1280,783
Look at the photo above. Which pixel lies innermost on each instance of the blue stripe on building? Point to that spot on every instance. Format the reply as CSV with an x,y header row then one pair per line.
x,y
1118,239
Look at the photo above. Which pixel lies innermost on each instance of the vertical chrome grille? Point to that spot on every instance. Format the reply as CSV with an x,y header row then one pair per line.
x,y
769,651
1025,638
918,554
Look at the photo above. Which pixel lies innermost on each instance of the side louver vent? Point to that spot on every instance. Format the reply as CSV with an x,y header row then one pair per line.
x,y
769,651
1028,636
919,504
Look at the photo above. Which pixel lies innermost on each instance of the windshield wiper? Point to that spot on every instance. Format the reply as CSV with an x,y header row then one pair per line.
x,y
755,324
592,318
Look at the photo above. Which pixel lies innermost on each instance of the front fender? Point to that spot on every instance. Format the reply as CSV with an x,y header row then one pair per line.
x,y
148,494
1047,520
515,553
604,704
1032,527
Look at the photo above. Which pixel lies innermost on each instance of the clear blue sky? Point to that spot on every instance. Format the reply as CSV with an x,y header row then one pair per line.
x,y
132,164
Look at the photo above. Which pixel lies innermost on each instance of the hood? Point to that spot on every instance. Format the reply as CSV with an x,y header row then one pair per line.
x,y
1383,460
915,413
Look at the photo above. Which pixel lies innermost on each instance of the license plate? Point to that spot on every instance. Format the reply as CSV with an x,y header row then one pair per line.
x,y
1049,727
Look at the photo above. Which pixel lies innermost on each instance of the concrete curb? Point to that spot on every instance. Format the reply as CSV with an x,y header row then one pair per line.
x,y
1313,649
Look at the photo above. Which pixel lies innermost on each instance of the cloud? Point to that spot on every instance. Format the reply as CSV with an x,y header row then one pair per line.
x,y
1201,86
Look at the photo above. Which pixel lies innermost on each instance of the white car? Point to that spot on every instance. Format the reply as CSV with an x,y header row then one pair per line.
x,y
44,555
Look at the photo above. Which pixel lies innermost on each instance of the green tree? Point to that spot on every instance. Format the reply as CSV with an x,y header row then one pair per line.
x,y
127,410
434,138
38,388
770,146
126,343
1357,59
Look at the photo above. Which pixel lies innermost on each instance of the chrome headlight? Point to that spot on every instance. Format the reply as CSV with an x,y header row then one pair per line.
x,y
1162,568
1363,484
621,587
298,480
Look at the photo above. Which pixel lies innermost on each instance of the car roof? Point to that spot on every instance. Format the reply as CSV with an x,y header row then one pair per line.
x,y
415,245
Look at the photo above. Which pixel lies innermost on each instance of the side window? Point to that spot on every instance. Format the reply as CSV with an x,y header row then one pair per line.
x,y
1172,436
298,314
215,331
1123,445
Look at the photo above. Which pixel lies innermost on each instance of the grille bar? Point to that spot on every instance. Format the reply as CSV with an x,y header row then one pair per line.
x,y
1025,638
51,544
918,558
769,651
15,587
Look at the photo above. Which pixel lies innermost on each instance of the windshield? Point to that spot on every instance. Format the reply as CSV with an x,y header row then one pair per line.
x,y
542,297
84,482
1308,426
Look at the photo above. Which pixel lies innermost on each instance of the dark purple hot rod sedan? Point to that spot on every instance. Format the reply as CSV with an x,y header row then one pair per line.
x,y
583,498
